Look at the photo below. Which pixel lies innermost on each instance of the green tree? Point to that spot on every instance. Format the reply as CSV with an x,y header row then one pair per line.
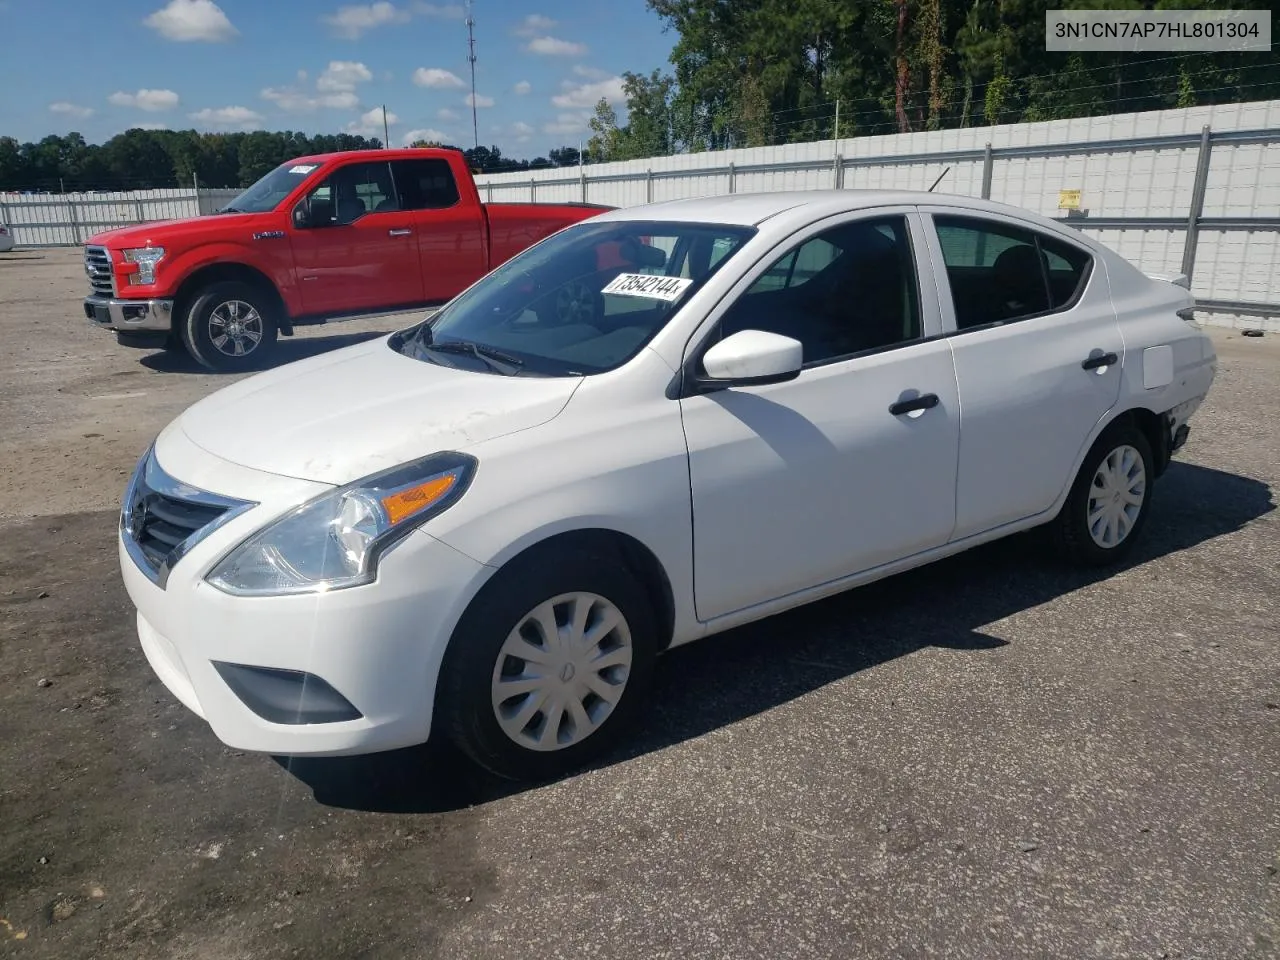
x,y
606,139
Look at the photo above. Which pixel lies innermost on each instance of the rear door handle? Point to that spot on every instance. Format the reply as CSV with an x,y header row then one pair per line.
x,y
1102,360
399,233
926,401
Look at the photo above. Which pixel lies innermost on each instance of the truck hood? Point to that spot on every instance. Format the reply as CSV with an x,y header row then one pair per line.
x,y
347,414
158,233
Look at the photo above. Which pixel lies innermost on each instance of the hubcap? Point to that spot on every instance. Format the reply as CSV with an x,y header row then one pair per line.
x,y
561,671
235,328
1116,496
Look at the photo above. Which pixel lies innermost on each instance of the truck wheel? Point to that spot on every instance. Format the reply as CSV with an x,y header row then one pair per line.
x,y
230,327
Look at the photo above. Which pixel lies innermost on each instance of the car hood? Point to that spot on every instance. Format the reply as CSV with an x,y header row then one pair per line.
x,y
347,414
158,233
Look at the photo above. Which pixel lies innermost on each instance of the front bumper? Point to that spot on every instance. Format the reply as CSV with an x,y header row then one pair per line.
x,y
370,655
126,315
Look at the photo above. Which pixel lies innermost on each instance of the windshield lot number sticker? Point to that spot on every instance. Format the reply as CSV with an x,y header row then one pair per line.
x,y
647,285
303,168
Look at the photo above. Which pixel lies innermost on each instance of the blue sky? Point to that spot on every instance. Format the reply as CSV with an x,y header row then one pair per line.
x,y
322,66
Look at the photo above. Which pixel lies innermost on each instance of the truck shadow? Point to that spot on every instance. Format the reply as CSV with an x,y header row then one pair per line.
x,y
726,678
288,349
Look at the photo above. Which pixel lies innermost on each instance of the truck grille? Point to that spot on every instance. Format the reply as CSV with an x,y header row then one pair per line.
x,y
97,264
161,518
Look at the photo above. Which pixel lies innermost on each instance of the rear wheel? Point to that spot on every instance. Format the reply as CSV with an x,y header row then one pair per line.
x,y
230,327
1110,499
549,664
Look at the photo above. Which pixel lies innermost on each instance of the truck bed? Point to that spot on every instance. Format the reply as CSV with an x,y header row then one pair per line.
x,y
515,226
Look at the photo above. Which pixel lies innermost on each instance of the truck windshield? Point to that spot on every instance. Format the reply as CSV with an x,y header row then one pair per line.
x,y
584,301
267,193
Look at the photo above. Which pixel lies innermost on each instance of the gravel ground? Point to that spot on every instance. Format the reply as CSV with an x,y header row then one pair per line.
x,y
988,758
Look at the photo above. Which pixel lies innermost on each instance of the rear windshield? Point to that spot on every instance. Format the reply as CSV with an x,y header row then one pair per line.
x,y
583,301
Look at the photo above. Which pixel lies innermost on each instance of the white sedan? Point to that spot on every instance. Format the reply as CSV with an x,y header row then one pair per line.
x,y
653,426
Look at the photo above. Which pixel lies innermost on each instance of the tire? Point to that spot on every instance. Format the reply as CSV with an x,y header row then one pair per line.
x,y
218,330
1120,462
481,656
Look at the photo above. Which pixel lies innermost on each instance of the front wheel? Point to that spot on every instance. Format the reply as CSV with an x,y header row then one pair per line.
x,y
1109,501
230,327
549,664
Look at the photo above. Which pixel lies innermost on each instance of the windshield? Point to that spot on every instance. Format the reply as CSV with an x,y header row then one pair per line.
x,y
583,301
267,193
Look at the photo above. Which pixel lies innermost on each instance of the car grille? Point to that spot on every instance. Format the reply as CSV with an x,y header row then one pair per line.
x,y
97,264
161,518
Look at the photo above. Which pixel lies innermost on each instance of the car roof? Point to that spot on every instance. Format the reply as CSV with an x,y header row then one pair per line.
x,y
753,209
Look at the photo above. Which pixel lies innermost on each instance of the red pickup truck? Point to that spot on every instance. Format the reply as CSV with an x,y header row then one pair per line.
x,y
316,239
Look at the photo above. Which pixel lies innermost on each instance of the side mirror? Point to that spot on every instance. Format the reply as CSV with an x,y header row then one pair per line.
x,y
302,215
751,358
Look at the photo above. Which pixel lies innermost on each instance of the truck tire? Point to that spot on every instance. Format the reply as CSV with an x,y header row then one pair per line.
x,y
230,327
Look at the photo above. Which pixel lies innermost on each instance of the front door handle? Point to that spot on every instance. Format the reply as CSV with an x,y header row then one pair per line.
x,y
399,233
926,401
1101,360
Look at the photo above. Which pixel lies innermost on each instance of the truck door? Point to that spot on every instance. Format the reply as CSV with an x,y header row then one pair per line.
x,y
450,230
361,250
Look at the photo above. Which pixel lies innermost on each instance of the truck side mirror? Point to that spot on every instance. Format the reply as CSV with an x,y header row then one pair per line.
x,y
302,214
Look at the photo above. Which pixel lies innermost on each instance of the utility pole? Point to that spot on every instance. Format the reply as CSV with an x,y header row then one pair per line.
x,y
386,134
471,55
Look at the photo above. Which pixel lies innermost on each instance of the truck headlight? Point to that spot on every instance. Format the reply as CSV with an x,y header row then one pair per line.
x,y
146,258
335,540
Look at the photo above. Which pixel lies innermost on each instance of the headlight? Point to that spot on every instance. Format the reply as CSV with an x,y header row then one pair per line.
x,y
335,540
146,258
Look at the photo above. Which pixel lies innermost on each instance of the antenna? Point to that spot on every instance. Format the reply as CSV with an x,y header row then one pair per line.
x,y
939,180
471,55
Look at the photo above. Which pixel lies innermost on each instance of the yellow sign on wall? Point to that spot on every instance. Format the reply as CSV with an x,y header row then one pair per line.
x,y
1068,199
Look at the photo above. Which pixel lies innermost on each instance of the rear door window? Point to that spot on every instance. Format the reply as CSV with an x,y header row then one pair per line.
x,y
425,184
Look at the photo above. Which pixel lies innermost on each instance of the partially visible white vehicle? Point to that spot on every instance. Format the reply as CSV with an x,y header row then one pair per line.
x,y
6,238
653,426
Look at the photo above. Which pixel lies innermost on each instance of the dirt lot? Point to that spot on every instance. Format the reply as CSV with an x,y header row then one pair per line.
x,y
990,758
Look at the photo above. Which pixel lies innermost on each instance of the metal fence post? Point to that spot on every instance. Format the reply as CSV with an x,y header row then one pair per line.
x,y
488,187
74,217
986,172
1197,202
533,190
648,186
138,206
837,172
731,178
582,182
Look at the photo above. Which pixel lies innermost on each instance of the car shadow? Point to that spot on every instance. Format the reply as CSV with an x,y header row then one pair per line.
x,y
731,676
288,349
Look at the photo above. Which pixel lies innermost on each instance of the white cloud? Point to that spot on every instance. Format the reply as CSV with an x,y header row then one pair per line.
x,y
567,123
293,100
186,20
445,12
522,131
302,76
350,22
153,101
71,110
480,100
241,118
342,75
534,24
555,47
426,133
370,123
436,78
588,94
445,114
591,73
523,87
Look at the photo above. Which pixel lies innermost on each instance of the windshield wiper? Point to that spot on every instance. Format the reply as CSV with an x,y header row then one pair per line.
x,y
231,209
494,359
